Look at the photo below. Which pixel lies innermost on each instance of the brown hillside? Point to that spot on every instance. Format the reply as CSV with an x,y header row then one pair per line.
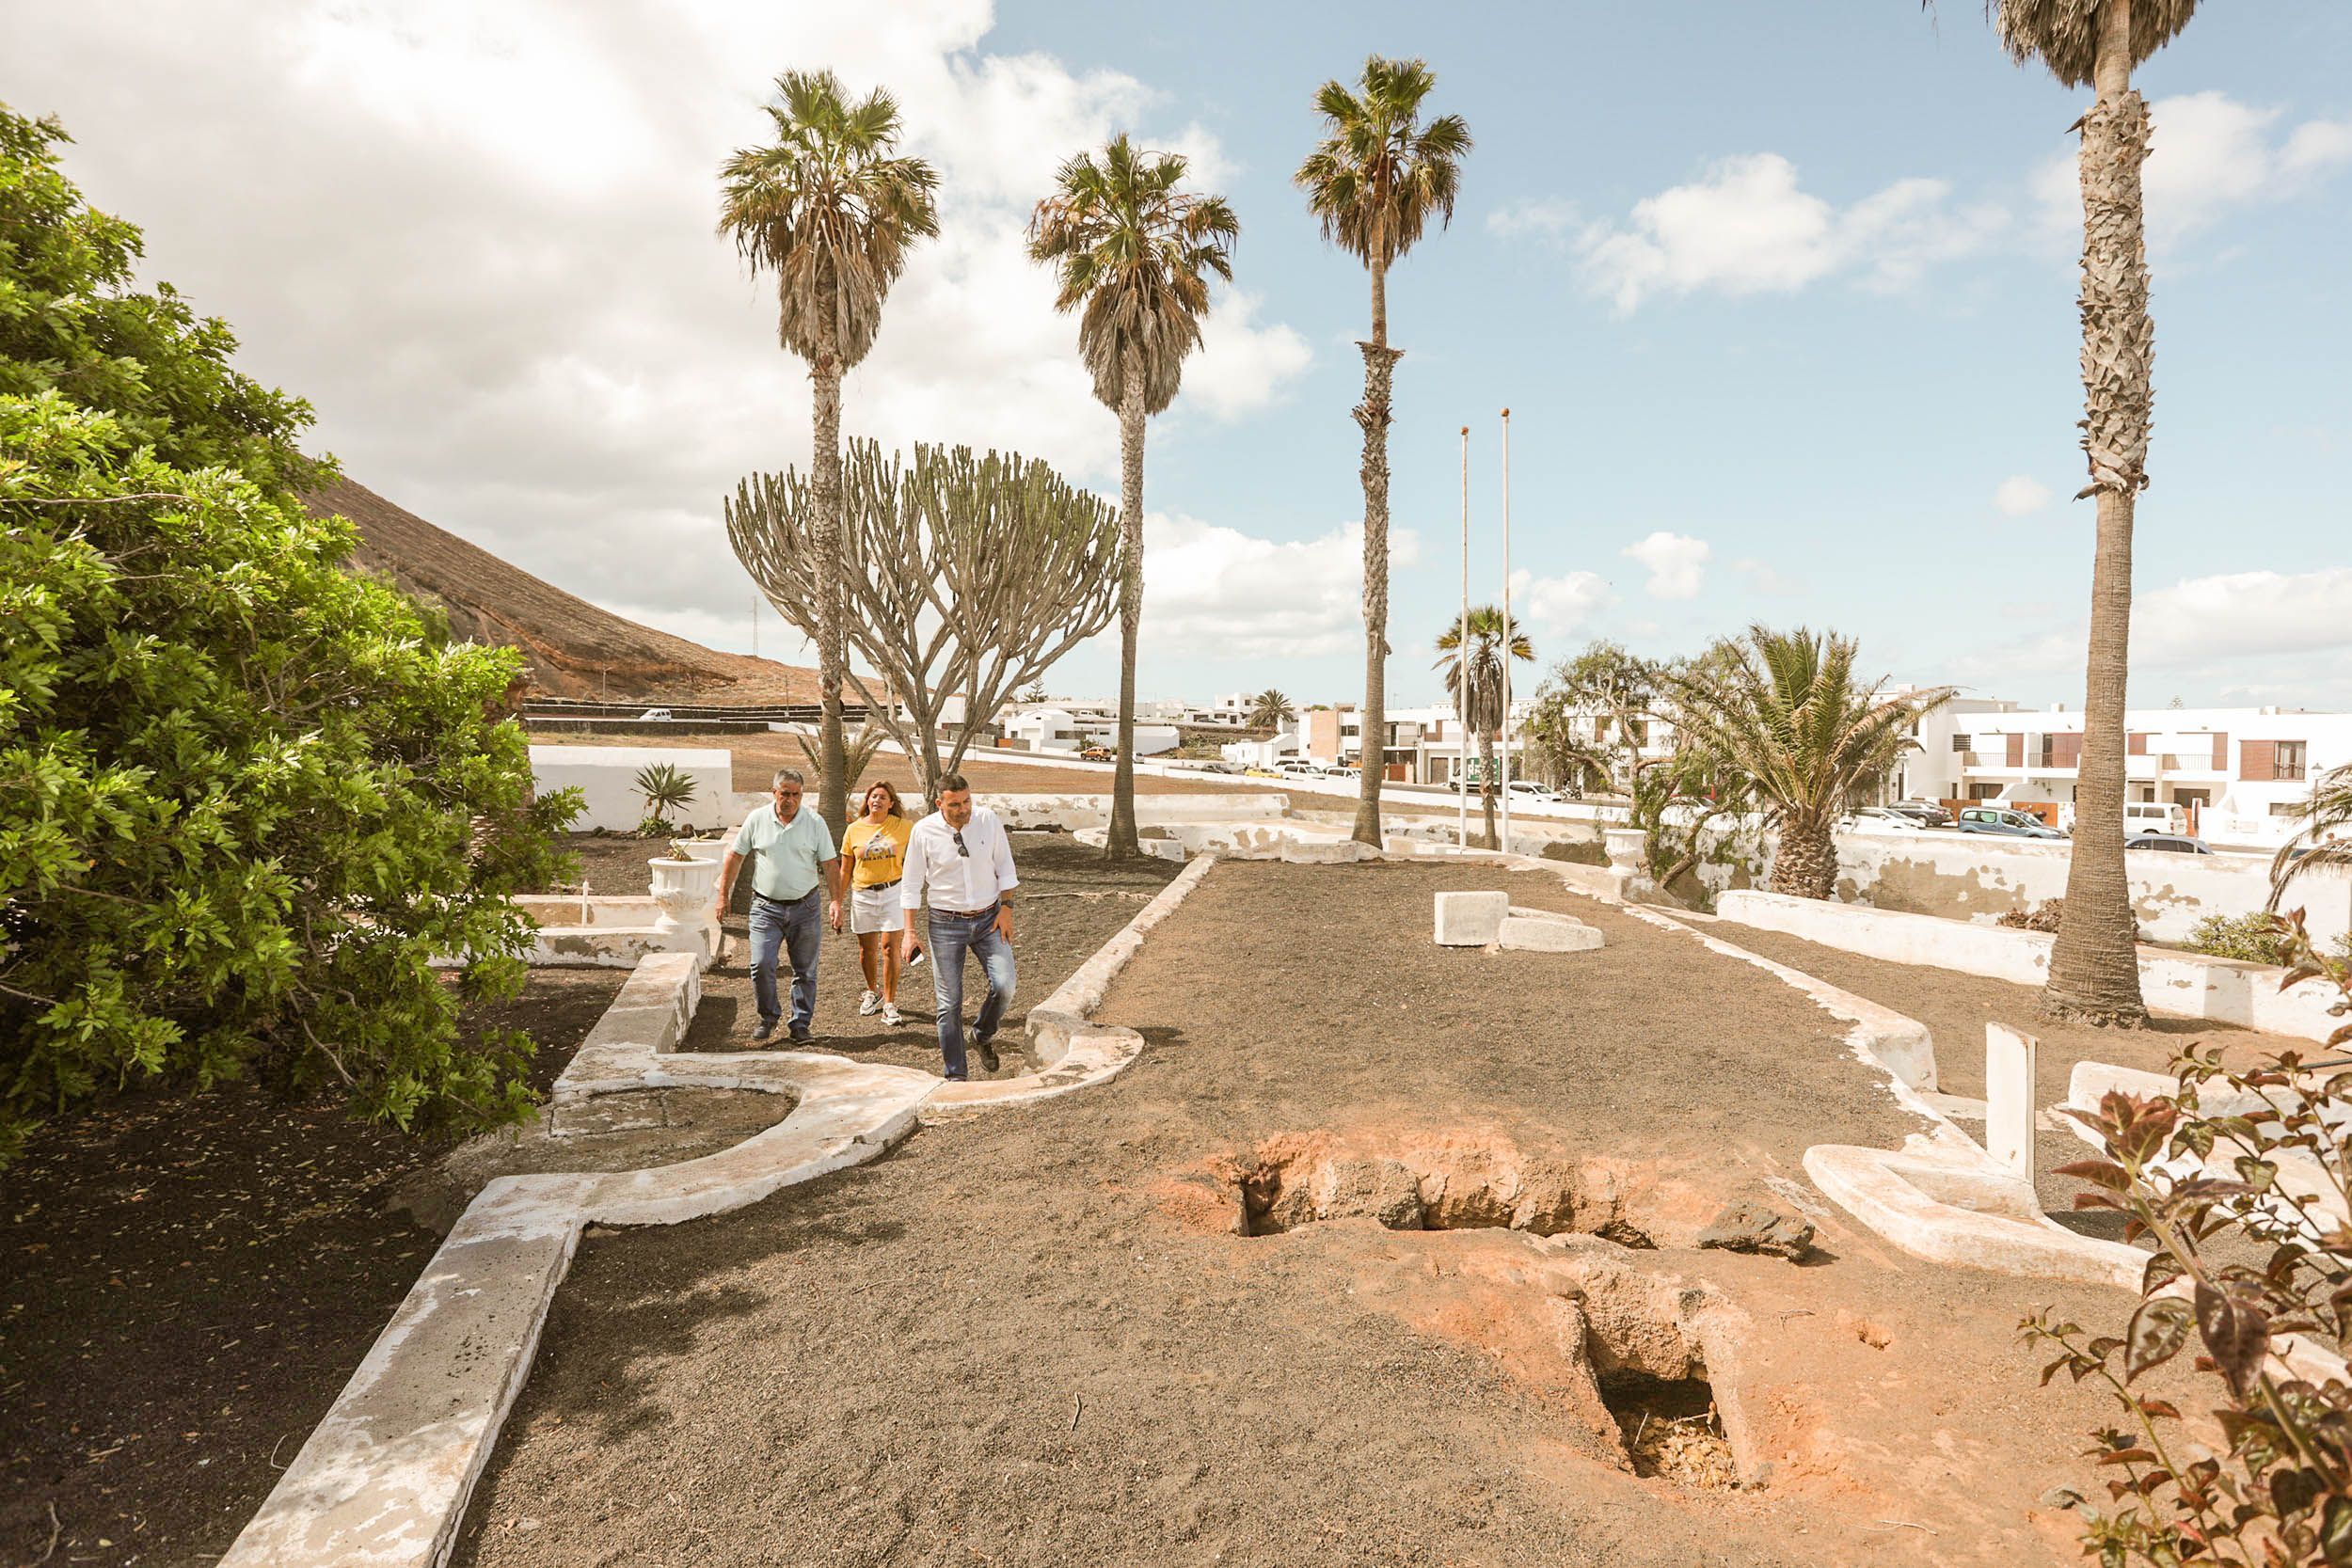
x,y
575,649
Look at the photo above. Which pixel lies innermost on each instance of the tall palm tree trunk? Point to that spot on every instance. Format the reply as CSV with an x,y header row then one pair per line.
x,y
1804,864
2094,967
1120,841
1486,783
832,762
1372,415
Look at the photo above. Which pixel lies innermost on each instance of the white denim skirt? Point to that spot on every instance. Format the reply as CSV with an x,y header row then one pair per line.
x,y
875,909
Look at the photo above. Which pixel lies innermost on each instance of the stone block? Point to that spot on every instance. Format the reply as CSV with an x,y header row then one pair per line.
x,y
1343,851
1471,919
1525,933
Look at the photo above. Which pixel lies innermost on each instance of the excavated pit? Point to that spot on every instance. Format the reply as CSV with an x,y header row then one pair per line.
x,y
1436,1182
1636,1360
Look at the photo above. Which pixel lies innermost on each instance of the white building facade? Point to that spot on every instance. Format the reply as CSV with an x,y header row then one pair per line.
x,y
2238,773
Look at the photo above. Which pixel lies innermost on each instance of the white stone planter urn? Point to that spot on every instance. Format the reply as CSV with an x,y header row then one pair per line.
x,y
1625,848
685,890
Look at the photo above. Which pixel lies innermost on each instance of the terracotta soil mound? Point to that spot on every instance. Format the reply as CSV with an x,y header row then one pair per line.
x,y
1051,1336
575,649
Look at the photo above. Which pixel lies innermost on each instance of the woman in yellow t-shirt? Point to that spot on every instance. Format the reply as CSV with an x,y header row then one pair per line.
x,y
873,851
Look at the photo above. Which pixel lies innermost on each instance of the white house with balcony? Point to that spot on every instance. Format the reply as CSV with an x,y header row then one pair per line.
x,y
2239,773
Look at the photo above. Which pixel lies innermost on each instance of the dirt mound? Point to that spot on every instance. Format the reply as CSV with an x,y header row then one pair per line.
x,y
575,649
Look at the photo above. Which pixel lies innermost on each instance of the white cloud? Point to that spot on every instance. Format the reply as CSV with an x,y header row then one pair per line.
x,y
1675,562
1218,593
2287,635
2209,154
1548,217
1746,228
2021,494
1241,367
479,240
1767,578
1561,605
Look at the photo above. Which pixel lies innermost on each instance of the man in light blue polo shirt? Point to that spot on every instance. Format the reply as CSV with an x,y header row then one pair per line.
x,y
795,866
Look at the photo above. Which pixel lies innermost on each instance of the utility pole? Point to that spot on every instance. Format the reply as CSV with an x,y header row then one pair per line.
x,y
1461,670
1507,630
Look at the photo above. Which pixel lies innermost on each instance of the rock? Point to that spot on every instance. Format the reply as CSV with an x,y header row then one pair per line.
x,y
1747,1225
1383,1189
1545,933
1471,919
2061,1497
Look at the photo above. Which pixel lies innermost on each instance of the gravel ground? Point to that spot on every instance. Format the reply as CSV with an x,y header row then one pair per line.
x,y
1016,1339
190,1280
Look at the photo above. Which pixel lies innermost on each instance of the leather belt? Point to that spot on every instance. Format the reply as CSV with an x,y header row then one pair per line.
x,y
876,887
968,914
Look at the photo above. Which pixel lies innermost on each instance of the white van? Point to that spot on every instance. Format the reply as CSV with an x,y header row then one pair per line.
x,y
2153,816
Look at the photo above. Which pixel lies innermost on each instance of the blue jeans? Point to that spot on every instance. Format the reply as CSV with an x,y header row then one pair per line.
x,y
798,926
951,937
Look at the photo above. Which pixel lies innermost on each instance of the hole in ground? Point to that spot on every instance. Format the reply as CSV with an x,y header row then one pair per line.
x,y
1448,1181
1672,1428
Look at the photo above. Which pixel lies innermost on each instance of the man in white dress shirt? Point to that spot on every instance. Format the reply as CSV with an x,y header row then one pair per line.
x,y
959,862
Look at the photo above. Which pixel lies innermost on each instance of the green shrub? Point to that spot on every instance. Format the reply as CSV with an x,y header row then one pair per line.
x,y
667,789
246,798
2244,1264
2255,938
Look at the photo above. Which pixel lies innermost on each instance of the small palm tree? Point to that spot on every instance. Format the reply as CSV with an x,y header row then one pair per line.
x,y
2094,964
1270,710
1134,252
1375,182
2321,839
832,211
1784,711
1470,653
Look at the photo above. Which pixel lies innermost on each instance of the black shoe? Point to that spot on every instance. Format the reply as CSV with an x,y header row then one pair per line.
x,y
800,1037
987,1055
766,1030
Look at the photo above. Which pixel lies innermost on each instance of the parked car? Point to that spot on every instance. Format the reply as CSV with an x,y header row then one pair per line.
x,y
1253,771
1927,814
1300,768
1880,819
1098,753
2171,843
2001,820
2155,816
1343,770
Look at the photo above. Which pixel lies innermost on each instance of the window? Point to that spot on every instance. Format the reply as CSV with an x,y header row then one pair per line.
x,y
1960,743
2286,760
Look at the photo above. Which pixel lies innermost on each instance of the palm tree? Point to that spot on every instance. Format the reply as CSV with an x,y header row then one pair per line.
x,y
2320,841
1270,710
1474,677
831,213
1375,181
2094,965
1783,710
1135,250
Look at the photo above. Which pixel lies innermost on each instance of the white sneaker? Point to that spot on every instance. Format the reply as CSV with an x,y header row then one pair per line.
x,y
890,1015
868,1003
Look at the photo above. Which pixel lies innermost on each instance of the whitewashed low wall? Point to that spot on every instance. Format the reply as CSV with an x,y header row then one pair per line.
x,y
606,776
1981,876
2186,985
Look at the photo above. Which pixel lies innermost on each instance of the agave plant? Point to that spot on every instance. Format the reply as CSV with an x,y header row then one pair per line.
x,y
667,791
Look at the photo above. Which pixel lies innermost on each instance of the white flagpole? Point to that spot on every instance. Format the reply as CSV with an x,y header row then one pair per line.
x,y
1507,631
1461,668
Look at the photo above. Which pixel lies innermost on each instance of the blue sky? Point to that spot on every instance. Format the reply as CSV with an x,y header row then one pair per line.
x,y
1781,297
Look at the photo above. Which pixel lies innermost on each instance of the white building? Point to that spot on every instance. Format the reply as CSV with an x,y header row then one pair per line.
x,y
1070,726
2238,772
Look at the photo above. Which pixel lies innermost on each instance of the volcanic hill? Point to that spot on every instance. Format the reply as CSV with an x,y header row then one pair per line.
x,y
574,648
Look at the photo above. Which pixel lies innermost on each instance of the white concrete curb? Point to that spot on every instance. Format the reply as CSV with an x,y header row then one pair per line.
x,y
1077,1052
1940,1196
384,1478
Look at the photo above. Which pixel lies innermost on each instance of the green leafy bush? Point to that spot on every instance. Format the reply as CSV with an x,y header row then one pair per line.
x,y
2255,938
247,798
2240,1181
667,789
